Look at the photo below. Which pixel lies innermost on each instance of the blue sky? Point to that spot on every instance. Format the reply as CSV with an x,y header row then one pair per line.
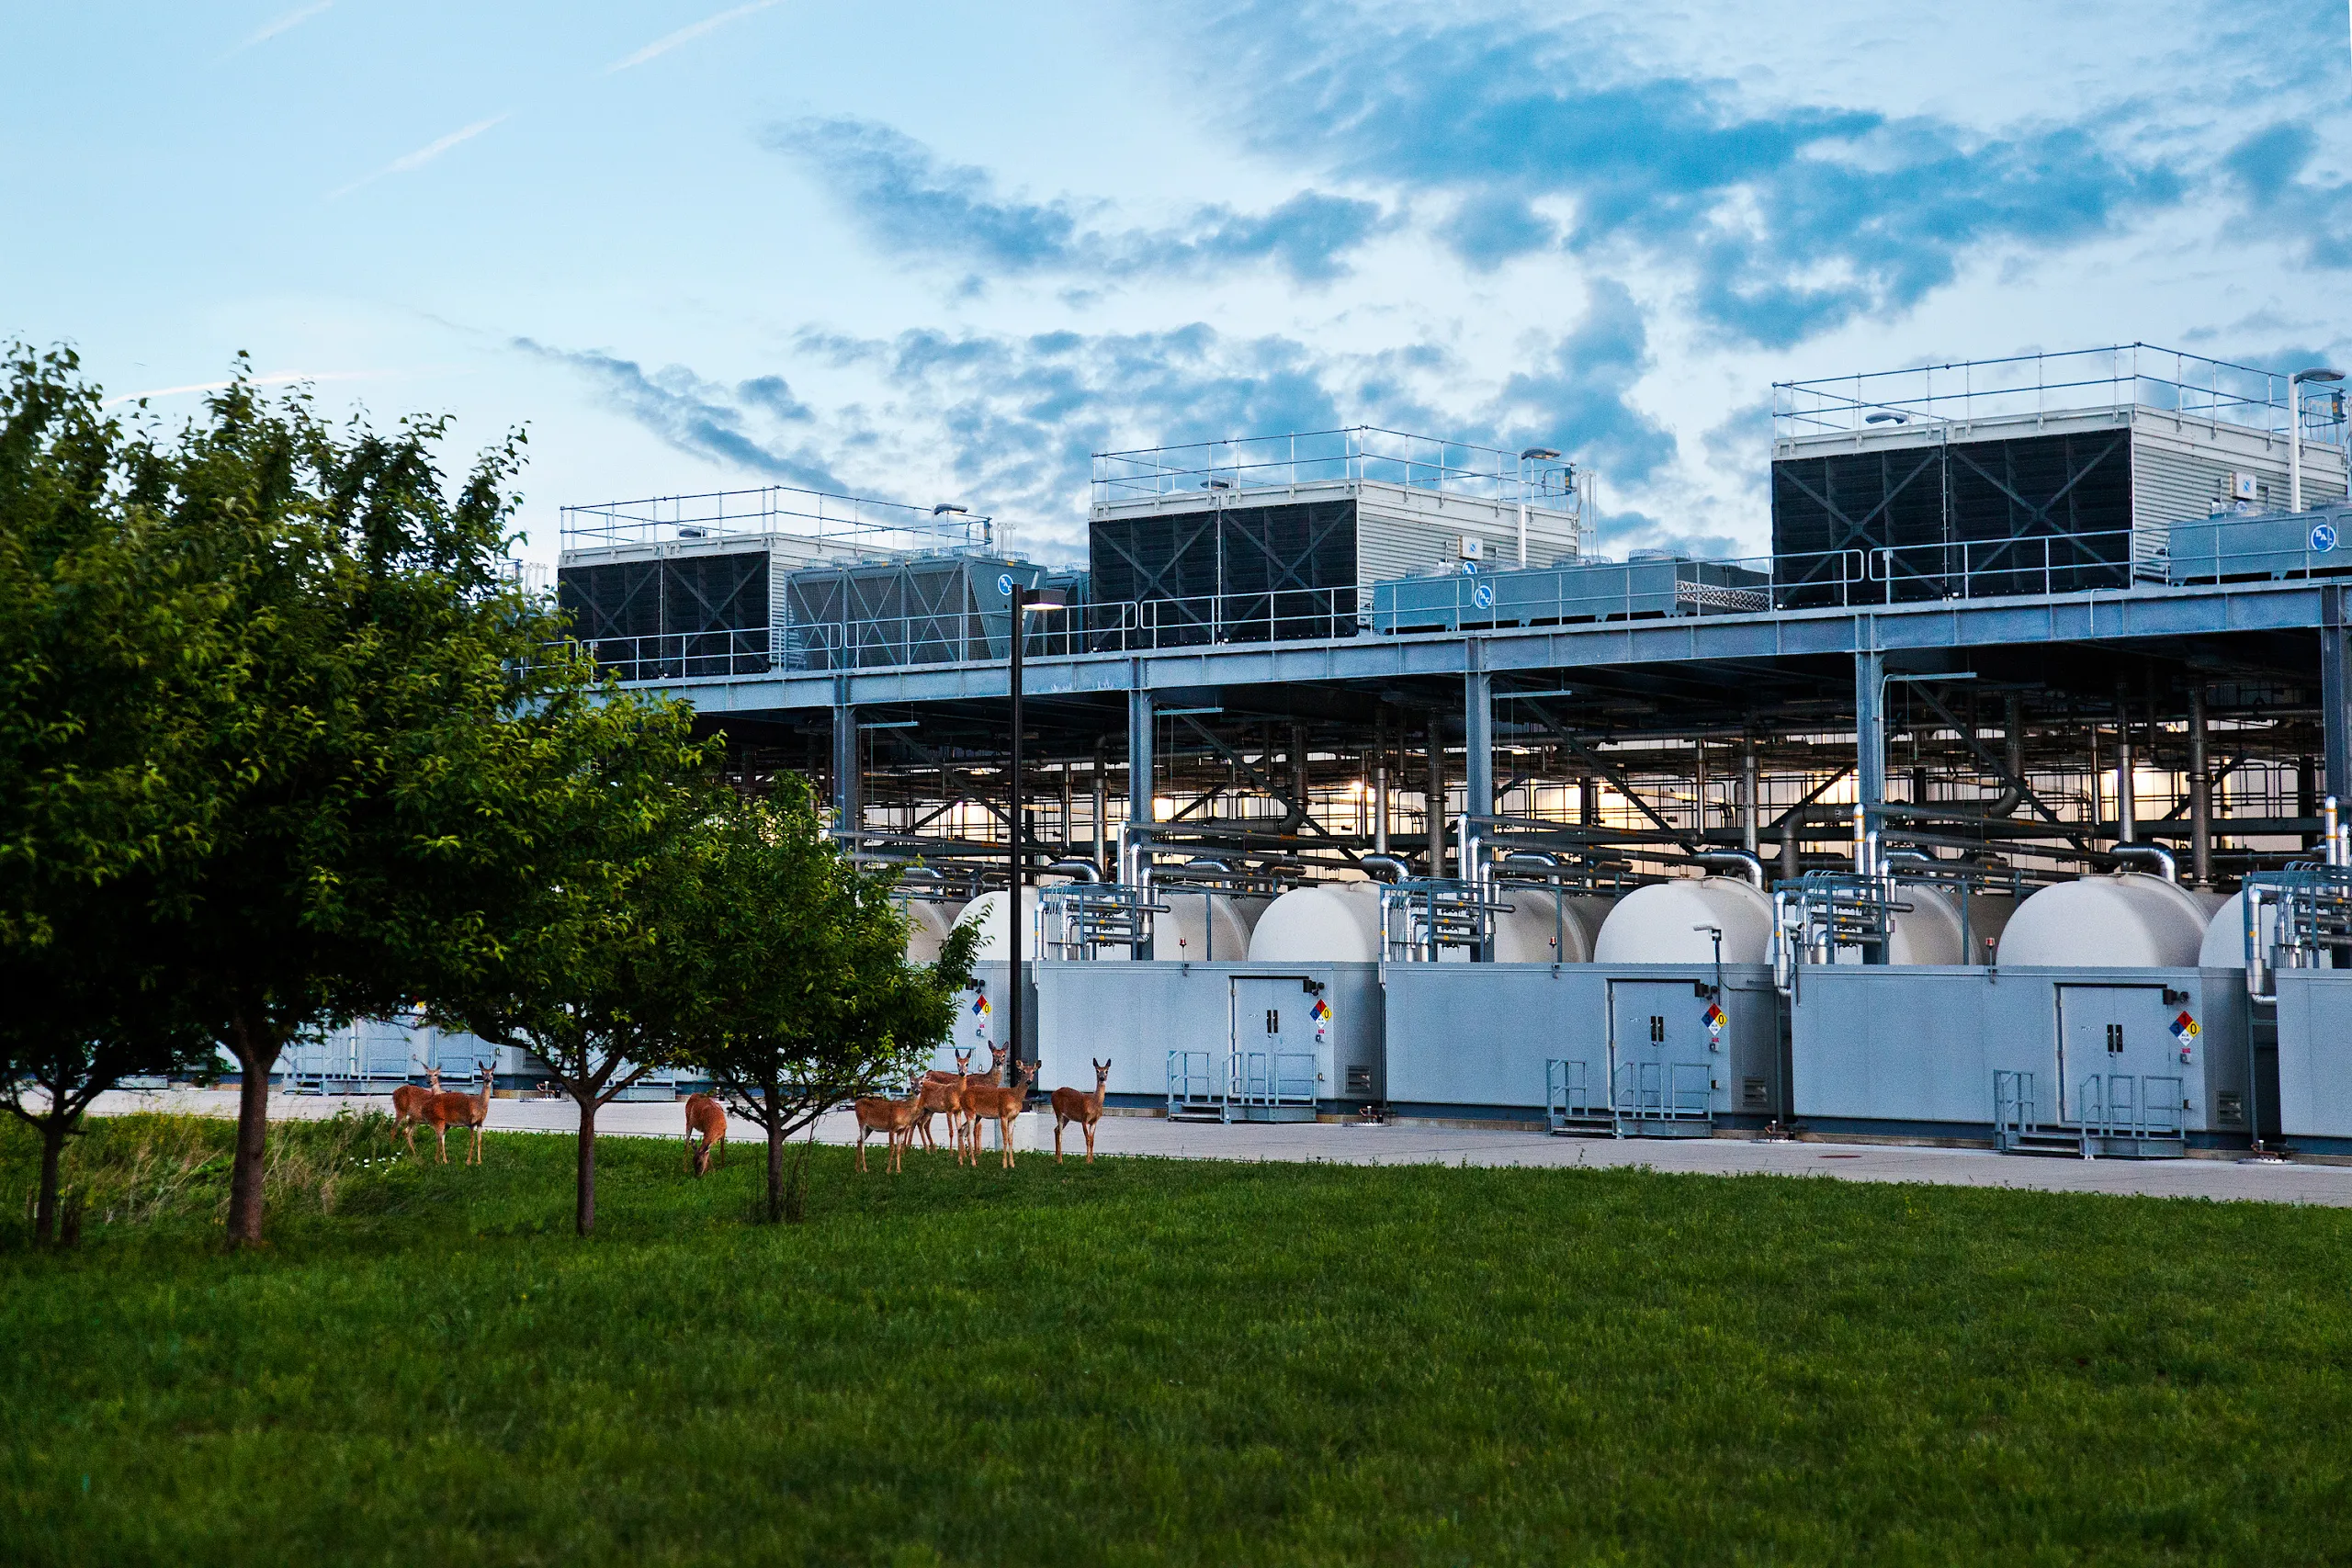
x,y
945,252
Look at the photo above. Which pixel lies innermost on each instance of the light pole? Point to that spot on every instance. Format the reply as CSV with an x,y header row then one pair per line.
x,y
1024,601
2295,430
1532,454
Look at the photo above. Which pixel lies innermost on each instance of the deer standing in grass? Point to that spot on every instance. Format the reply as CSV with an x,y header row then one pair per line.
x,y
707,1117
455,1108
966,1128
1000,1106
1086,1109
408,1105
894,1118
944,1092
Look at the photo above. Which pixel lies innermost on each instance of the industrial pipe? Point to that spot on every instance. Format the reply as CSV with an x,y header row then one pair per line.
x,y
1749,866
1383,868
2329,824
2166,867
2201,795
1077,869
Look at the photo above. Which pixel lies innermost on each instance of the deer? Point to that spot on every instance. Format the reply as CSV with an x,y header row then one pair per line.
x,y
945,1092
893,1118
992,1078
707,1116
1071,1105
453,1108
408,1105
1000,1106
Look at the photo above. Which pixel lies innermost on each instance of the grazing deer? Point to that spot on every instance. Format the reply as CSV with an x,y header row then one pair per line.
x,y
1086,1109
944,1092
706,1116
451,1109
408,1106
894,1118
1000,1106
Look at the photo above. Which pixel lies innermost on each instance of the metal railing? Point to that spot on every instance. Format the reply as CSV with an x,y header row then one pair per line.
x,y
2297,918
2138,1109
2079,380
1328,457
1572,1102
2219,549
848,524
1666,1094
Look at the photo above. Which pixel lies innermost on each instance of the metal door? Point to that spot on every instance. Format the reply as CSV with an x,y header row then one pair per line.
x,y
2119,1055
1662,1053
1273,1070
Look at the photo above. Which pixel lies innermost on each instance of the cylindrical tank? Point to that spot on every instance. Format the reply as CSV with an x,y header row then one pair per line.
x,y
986,911
2128,921
1926,932
1524,933
2224,943
1988,915
1662,923
1329,923
928,923
1203,927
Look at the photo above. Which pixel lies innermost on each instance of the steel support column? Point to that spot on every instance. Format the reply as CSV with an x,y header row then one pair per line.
x,y
2201,794
1140,720
1478,752
2335,693
849,793
1870,736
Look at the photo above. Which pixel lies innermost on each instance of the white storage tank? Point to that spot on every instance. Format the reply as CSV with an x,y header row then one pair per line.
x,y
2128,921
928,922
1660,923
1329,922
1926,931
2224,943
986,911
1204,926
1524,933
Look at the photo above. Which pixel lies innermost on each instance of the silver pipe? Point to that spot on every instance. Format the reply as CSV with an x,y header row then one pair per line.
x,y
1791,867
2328,826
1748,866
2166,867
1383,867
1749,810
2127,807
1076,869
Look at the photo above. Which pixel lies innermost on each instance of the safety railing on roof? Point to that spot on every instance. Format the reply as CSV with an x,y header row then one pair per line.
x,y
853,524
2078,381
1328,457
2224,549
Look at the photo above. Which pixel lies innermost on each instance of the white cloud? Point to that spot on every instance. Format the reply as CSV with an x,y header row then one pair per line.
x,y
292,19
669,42
423,155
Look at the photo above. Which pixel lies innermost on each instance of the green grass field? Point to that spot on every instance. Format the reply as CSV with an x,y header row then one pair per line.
x,y
1159,1362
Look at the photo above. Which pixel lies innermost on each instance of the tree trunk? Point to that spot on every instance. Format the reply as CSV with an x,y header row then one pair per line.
x,y
775,1175
584,1217
257,1054
53,1150
795,1196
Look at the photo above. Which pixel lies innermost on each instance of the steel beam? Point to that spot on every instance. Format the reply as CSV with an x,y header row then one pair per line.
x,y
1477,752
1139,767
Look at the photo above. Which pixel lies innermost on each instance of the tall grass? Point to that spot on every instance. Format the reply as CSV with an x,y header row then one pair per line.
x,y
159,1169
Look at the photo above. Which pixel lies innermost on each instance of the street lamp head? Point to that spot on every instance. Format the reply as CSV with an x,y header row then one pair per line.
x,y
1884,417
1217,484
2320,373
944,507
1045,599
1538,454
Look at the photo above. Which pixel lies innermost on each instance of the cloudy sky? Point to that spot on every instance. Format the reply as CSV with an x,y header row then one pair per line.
x,y
927,253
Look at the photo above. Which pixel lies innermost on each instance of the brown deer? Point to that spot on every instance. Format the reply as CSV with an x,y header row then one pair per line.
x,y
893,1118
993,1078
408,1105
1000,1106
1086,1109
451,1109
706,1116
944,1092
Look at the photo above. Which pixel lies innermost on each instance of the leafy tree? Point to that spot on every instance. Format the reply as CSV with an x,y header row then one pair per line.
x,y
806,998
113,651
595,972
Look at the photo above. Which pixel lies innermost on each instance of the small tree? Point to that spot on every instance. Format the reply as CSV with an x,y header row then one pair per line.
x,y
115,650
594,970
808,999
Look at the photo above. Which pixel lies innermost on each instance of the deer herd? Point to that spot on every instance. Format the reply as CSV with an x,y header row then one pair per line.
x,y
968,1098
965,1098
